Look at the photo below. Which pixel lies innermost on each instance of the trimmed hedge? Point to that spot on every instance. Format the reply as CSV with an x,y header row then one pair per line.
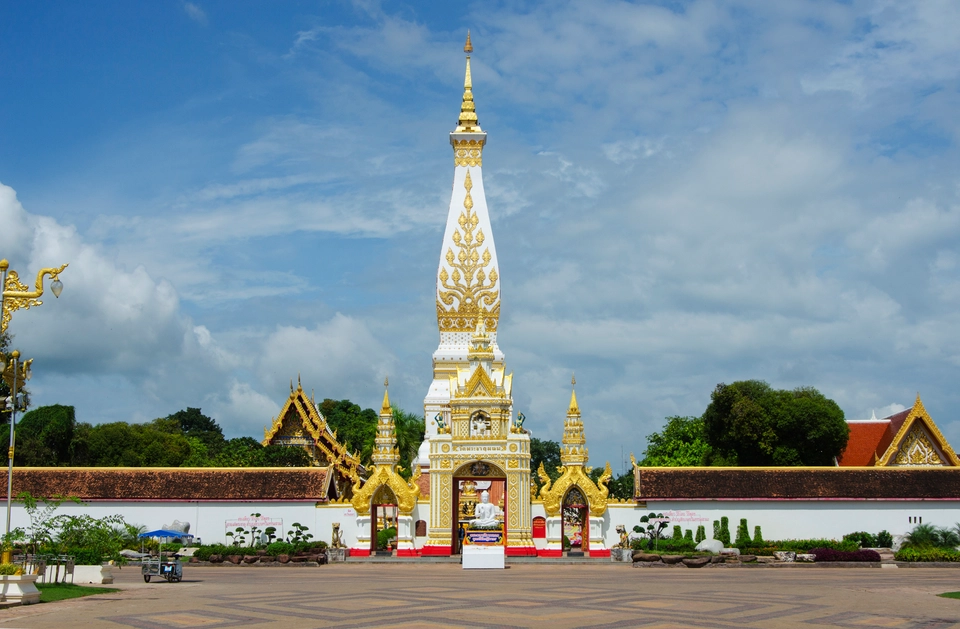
x,y
829,554
927,554
797,546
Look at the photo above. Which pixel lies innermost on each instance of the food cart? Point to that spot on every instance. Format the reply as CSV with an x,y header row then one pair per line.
x,y
171,570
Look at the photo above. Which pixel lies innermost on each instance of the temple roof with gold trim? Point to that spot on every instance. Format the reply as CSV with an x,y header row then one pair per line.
x,y
907,438
300,423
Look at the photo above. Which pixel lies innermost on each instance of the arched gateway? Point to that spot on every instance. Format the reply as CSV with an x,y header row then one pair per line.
x,y
574,504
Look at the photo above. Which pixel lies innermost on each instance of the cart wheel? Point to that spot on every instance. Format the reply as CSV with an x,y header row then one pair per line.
x,y
146,578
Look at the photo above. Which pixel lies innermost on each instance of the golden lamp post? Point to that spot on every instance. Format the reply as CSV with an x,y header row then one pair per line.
x,y
15,295
15,373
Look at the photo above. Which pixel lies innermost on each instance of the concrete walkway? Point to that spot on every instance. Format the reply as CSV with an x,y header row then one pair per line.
x,y
557,596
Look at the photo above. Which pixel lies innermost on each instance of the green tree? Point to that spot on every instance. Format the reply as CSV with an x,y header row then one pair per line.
x,y
681,443
194,424
546,452
286,456
356,428
410,429
241,452
43,436
621,487
749,423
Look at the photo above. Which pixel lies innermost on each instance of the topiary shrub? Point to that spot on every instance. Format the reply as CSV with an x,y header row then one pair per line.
x,y
884,539
725,531
384,537
701,534
280,548
829,554
743,534
757,537
677,532
716,529
864,539
688,535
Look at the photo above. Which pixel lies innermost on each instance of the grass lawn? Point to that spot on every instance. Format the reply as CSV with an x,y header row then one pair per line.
x,y
61,591
950,595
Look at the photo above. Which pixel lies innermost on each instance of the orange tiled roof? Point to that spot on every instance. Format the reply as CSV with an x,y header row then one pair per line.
x,y
862,446
174,483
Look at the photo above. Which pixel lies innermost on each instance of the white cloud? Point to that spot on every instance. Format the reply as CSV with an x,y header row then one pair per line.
x,y
195,13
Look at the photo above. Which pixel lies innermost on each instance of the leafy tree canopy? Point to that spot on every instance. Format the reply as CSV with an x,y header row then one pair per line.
x,y
356,428
546,452
749,423
681,443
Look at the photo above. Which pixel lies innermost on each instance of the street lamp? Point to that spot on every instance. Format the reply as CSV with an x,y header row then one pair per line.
x,y
15,374
16,295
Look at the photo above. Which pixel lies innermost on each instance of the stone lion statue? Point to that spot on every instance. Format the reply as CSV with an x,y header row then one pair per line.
x,y
624,536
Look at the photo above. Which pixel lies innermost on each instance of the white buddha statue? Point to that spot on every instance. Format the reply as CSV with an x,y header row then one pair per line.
x,y
485,514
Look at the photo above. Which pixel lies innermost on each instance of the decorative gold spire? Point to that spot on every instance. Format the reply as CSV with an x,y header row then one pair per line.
x,y
386,398
385,445
468,111
573,449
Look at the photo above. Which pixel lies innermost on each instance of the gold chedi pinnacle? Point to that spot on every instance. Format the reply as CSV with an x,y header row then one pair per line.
x,y
573,450
468,111
385,444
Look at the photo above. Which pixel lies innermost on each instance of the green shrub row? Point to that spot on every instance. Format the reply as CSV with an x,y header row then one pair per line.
x,y
276,548
927,554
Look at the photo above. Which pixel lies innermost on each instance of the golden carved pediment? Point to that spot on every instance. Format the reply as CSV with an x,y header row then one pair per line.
x,y
384,477
919,442
573,476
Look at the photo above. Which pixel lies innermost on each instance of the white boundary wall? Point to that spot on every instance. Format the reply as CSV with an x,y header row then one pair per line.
x,y
207,519
790,519
786,519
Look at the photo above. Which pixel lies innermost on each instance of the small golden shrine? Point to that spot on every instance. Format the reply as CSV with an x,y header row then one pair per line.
x,y
385,497
301,424
574,503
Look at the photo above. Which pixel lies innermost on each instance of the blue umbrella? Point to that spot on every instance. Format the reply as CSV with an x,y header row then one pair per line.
x,y
163,533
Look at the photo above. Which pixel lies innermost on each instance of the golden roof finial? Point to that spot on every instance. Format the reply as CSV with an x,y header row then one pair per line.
x,y
385,409
573,379
574,407
299,386
468,111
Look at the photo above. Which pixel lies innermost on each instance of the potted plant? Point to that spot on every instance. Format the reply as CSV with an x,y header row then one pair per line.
x,y
16,587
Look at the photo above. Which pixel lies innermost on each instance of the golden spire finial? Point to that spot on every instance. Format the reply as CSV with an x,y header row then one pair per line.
x,y
574,407
573,379
468,111
299,386
385,409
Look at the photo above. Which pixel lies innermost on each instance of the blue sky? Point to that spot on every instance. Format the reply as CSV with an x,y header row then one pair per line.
x,y
682,194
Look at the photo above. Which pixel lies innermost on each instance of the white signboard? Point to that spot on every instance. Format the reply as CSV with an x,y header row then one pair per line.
x,y
248,521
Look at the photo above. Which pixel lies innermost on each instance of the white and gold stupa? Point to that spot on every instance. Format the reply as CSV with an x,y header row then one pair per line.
x,y
471,436
468,277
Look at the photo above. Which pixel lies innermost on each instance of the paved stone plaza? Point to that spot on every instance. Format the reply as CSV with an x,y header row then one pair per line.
x,y
555,596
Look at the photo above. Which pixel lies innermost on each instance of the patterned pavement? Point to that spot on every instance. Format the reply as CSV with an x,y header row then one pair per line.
x,y
557,596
